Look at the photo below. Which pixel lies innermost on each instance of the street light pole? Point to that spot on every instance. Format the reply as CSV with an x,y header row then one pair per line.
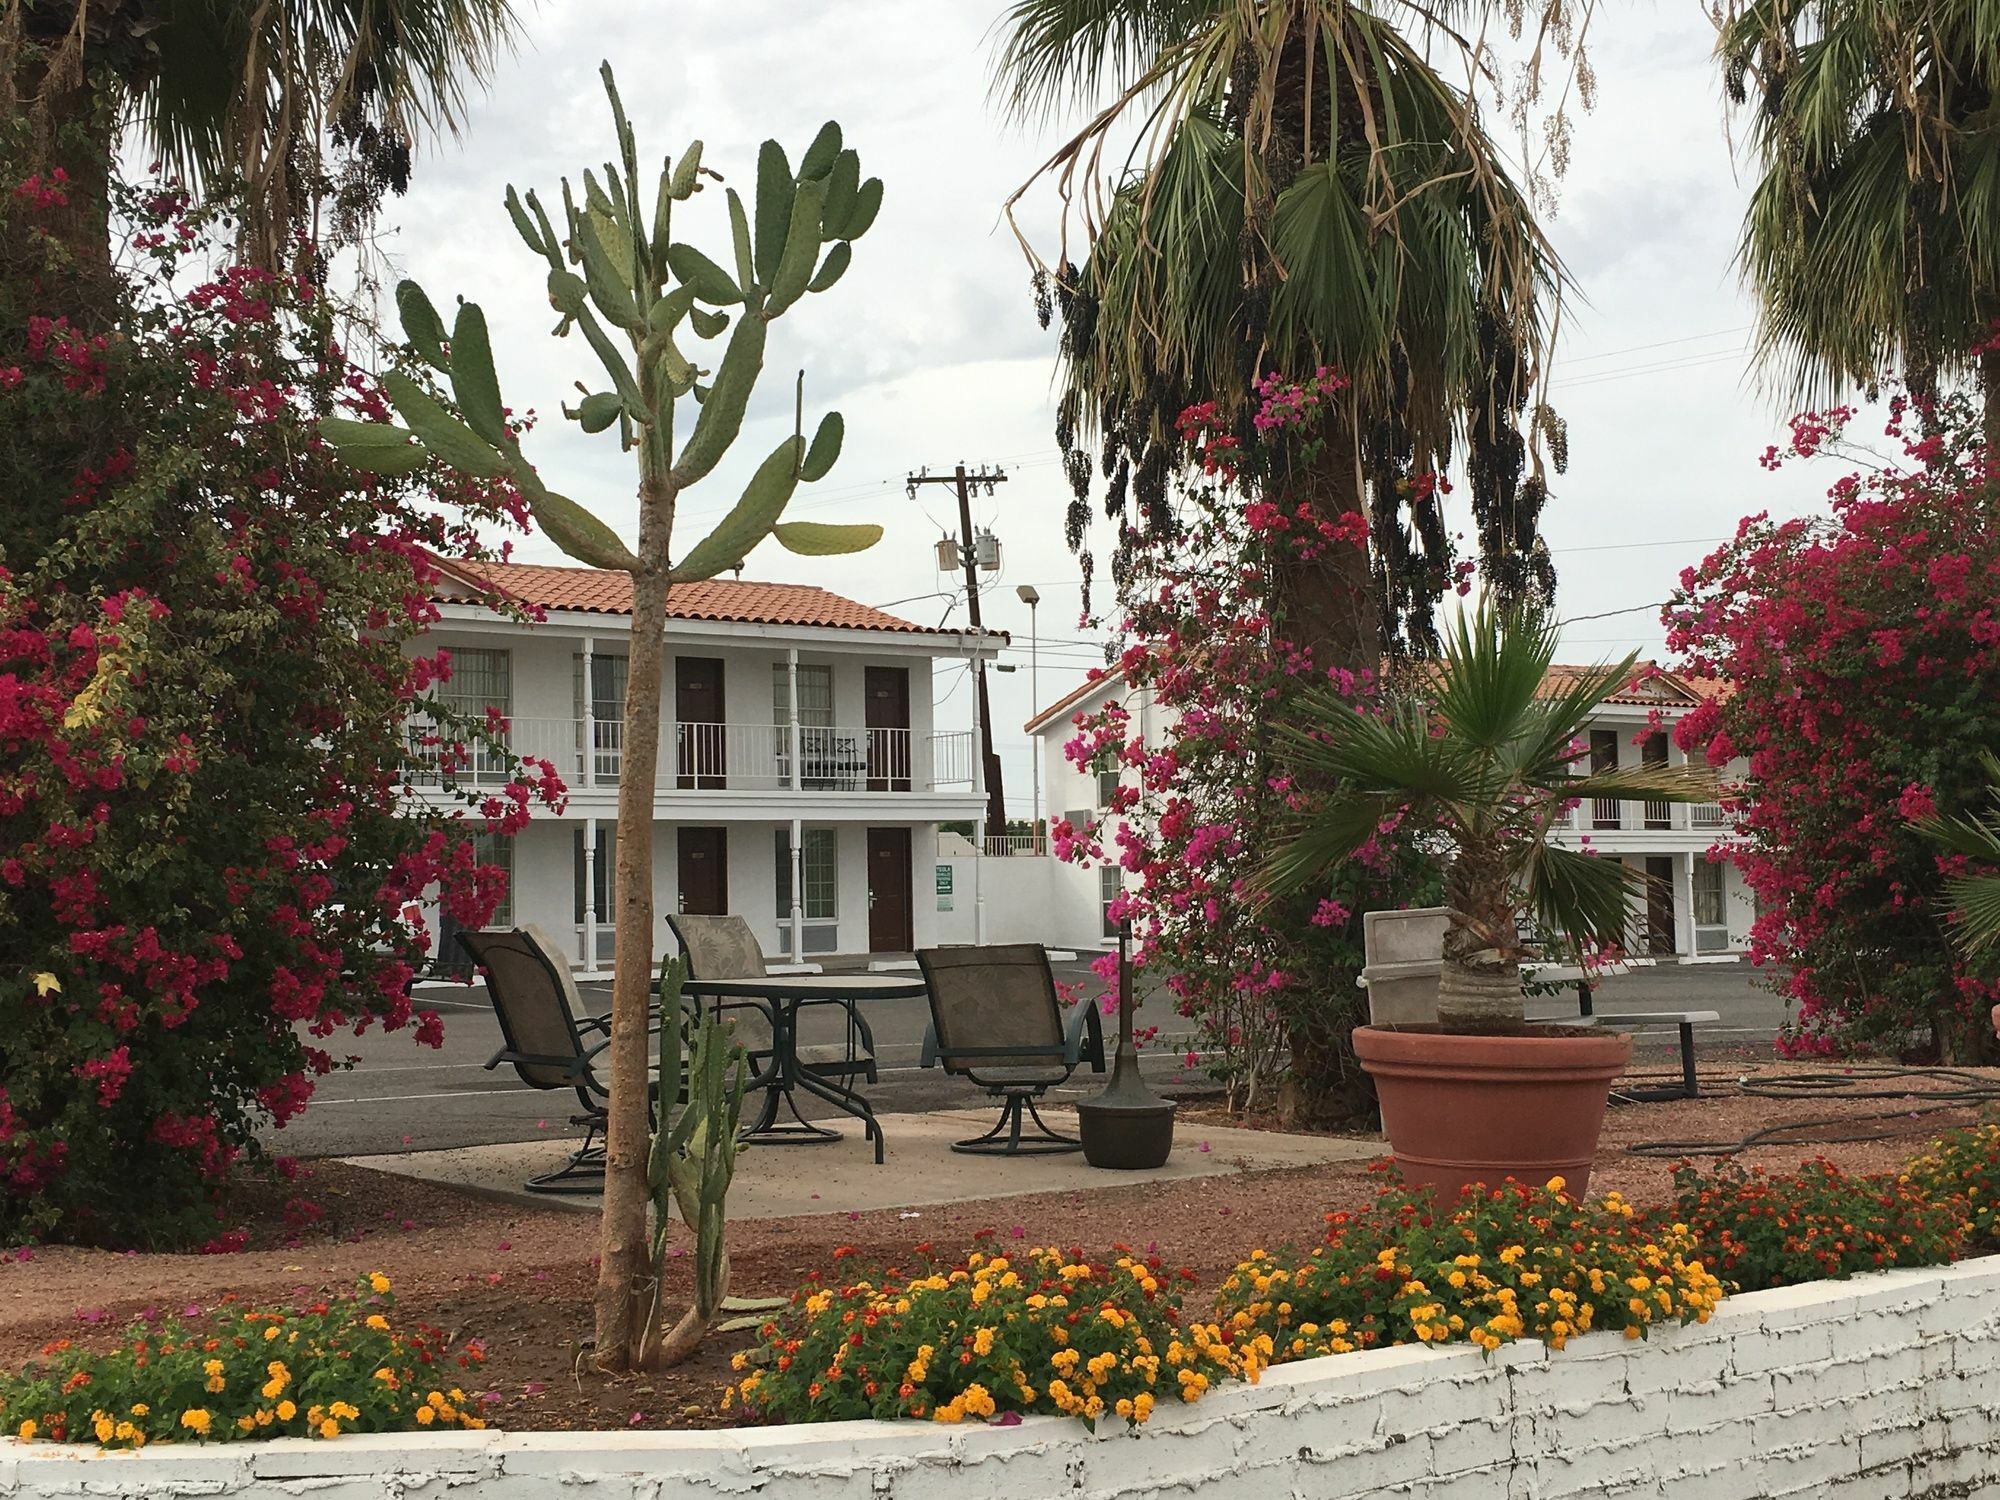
x,y
1029,597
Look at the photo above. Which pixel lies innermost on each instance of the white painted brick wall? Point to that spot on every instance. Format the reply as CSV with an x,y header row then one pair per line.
x,y
1883,1388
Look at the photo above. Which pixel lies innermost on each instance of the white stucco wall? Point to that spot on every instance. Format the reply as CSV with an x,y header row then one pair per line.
x,y
1878,1387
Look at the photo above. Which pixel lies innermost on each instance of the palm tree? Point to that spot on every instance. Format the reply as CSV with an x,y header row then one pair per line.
x,y
1870,238
258,96
1975,899
1484,756
1309,191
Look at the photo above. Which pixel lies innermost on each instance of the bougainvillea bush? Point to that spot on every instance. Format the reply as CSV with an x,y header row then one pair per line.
x,y
1865,653
338,1364
1203,646
209,860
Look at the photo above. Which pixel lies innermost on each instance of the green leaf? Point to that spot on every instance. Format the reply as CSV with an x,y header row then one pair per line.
x,y
822,539
374,447
854,223
448,439
825,448
607,267
710,282
598,410
795,267
843,183
525,226
421,324
473,383
567,292
708,324
686,172
830,269
739,233
580,534
820,155
751,519
776,189
722,412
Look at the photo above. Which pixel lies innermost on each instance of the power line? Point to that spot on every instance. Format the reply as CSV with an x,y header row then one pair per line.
x,y
1692,338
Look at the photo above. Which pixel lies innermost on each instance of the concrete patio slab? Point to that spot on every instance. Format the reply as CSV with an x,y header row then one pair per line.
x,y
780,1182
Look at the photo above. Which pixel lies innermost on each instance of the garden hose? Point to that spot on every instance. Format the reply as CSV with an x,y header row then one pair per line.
x,y
1962,1089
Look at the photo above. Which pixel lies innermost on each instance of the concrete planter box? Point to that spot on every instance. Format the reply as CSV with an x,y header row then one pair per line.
x,y
1879,1386
1404,956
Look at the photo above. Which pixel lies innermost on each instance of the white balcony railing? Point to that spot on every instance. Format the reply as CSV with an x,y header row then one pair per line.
x,y
717,757
1612,815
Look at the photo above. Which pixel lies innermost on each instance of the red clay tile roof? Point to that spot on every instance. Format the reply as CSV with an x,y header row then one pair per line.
x,y
1653,687
599,591
1107,677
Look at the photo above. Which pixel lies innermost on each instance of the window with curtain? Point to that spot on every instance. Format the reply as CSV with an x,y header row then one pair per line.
x,y
481,679
819,862
1709,910
607,712
1110,882
818,763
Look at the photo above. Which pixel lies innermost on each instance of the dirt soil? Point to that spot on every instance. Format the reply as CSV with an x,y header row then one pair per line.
x,y
518,1277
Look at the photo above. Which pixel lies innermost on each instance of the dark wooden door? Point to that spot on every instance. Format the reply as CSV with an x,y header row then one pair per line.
x,y
704,871
888,725
890,906
1659,906
698,722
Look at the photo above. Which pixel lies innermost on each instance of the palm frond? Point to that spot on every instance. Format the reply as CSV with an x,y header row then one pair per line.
x,y
1314,845
1055,52
1658,783
1975,904
1583,896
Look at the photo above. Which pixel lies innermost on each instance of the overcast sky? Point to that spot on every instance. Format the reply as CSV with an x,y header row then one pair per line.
x,y
930,348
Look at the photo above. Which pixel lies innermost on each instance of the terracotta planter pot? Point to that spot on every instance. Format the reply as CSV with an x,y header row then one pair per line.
x,y
1465,1109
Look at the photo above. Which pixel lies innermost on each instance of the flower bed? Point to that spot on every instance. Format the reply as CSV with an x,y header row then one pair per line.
x,y
1882,1383
336,1366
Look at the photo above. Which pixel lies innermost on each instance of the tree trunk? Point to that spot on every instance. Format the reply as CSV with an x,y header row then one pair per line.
x,y
72,126
623,1266
1480,987
1325,607
1989,382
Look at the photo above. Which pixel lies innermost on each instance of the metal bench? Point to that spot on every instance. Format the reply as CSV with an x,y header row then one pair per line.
x,y
1637,1020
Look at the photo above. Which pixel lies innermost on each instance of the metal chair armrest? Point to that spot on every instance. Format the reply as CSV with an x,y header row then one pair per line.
x,y
928,1056
1083,1037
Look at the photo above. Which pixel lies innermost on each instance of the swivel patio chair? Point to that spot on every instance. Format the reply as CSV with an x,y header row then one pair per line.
x,y
549,1040
996,1019
726,948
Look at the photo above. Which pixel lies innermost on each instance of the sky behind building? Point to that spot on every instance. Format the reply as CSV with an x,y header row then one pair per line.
x,y
930,348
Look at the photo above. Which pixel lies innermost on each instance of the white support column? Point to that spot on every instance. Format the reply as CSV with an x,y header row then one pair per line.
x,y
1684,904
589,893
792,698
978,871
798,854
589,770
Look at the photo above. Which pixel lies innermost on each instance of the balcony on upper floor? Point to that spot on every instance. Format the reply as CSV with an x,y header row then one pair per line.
x,y
804,758
1619,815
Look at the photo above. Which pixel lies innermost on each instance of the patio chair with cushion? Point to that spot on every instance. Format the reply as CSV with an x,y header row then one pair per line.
x,y
549,1039
996,1019
726,948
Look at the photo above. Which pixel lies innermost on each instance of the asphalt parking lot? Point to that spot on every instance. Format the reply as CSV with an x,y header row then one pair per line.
x,y
402,1097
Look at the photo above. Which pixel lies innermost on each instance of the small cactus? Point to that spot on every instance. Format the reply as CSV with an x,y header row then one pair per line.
x,y
693,1158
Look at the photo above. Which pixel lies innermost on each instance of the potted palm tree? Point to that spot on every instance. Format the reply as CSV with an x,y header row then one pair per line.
x,y
1485,755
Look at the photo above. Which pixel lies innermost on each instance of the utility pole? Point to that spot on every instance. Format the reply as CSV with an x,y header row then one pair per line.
x,y
996,801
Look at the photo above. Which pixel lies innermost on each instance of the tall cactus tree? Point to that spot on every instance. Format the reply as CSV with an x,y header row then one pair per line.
x,y
611,273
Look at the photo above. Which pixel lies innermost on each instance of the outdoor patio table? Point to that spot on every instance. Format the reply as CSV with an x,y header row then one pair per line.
x,y
785,994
